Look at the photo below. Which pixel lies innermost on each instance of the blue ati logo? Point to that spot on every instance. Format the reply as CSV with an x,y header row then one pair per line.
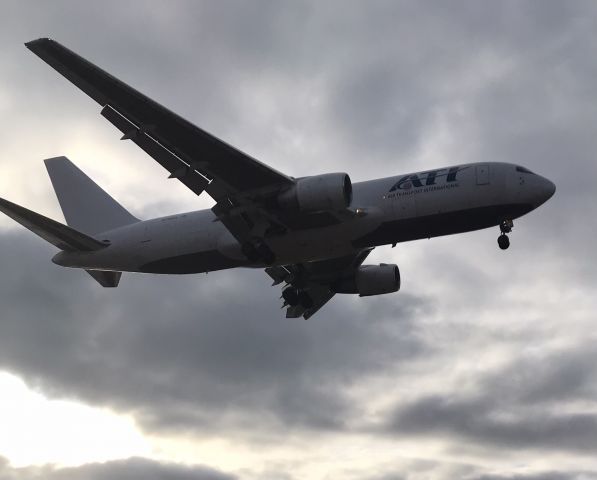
x,y
442,178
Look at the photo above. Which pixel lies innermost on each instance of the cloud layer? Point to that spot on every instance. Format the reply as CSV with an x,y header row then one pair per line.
x,y
131,469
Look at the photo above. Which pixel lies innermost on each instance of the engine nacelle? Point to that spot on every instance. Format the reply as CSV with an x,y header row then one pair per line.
x,y
371,280
330,191
377,279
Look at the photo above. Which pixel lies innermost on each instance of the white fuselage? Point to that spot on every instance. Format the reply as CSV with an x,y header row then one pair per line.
x,y
383,211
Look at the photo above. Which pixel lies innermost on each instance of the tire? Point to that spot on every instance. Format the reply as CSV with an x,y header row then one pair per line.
x,y
305,300
291,296
250,252
503,242
265,253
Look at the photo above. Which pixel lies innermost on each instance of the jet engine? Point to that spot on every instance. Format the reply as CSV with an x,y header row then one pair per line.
x,y
377,279
330,191
371,280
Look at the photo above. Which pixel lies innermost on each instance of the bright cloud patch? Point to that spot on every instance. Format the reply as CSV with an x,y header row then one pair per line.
x,y
36,430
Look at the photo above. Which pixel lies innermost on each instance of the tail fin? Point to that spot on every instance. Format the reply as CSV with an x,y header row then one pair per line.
x,y
85,205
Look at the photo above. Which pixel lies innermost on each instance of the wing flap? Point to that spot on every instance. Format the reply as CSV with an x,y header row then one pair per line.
x,y
315,279
177,167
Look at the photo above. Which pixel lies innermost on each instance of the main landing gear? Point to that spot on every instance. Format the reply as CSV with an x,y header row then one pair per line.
x,y
294,296
505,228
257,250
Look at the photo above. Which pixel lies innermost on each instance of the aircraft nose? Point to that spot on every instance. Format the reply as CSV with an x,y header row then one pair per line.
x,y
545,191
549,188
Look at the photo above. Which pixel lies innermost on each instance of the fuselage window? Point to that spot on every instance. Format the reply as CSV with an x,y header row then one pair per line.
x,y
523,170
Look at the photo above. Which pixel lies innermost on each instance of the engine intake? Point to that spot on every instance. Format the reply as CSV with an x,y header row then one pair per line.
x,y
330,191
371,280
377,279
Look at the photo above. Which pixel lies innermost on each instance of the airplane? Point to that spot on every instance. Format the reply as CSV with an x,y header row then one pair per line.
x,y
310,234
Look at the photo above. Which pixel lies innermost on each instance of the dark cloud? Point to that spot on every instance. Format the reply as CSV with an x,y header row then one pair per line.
x,y
190,353
529,404
490,422
388,476
130,469
553,377
541,476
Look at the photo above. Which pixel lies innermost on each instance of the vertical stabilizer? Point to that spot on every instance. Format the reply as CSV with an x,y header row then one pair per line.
x,y
85,205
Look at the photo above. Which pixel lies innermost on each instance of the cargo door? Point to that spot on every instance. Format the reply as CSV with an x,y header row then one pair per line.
x,y
482,174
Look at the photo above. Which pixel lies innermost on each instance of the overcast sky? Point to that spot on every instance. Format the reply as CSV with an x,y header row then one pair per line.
x,y
484,365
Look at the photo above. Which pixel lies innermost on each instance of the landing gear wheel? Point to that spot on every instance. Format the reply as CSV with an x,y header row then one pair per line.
x,y
305,299
265,253
503,241
291,296
256,250
250,251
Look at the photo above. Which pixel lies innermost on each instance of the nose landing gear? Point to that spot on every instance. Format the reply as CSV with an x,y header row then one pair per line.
x,y
503,239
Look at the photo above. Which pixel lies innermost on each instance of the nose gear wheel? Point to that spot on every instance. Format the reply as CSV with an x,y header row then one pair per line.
x,y
503,240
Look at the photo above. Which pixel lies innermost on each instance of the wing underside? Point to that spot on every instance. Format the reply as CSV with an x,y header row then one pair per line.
x,y
310,285
161,132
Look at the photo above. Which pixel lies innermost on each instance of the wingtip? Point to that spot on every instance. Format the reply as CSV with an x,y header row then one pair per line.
x,y
61,158
32,44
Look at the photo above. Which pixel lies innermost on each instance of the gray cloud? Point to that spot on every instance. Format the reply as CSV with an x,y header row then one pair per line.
x,y
541,476
551,378
130,469
532,404
163,348
492,422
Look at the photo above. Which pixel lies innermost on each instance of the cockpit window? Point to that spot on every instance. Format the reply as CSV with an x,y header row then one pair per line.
x,y
523,170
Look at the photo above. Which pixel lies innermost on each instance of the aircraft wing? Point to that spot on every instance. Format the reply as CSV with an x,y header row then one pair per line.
x,y
316,280
238,183
181,143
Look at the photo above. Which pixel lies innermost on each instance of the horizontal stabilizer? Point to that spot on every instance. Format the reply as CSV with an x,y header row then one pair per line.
x,y
63,237
105,279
